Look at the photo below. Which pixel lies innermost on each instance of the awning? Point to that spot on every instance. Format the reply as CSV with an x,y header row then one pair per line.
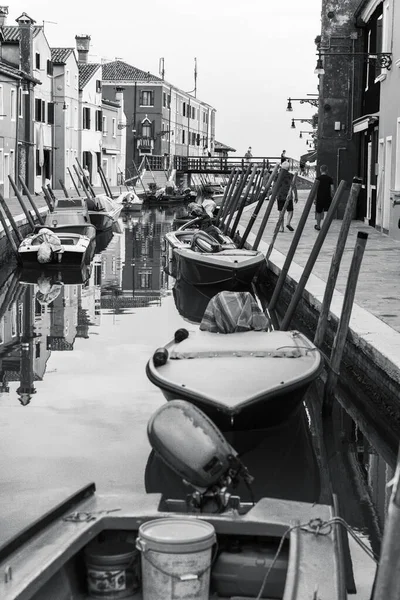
x,y
362,123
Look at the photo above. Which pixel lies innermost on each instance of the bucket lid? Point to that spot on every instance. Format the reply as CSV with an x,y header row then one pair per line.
x,y
177,535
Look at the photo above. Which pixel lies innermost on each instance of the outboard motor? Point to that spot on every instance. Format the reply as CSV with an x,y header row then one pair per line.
x,y
192,446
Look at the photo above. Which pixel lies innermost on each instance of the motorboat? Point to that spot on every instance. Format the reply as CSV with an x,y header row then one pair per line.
x,y
188,236
115,545
56,276
66,239
103,212
130,201
234,367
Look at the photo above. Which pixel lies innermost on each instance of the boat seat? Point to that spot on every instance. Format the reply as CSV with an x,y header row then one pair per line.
x,y
204,242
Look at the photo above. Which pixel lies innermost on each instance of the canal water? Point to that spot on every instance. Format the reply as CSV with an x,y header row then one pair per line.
x,y
75,399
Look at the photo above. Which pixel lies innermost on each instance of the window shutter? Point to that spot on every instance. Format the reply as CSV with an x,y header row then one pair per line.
x,y
36,109
184,109
88,114
43,119
152,128
141,98
152,98
50,113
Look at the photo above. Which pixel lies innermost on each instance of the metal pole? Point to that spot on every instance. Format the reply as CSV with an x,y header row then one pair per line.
x,y
31,200
270,204
73,181
258,207
343,327
8,234
312,258
281,216
64,189
22,203
293,246
48,199
335,264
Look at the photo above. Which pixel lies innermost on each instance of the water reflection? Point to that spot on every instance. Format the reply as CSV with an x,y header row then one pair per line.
x,y
41,313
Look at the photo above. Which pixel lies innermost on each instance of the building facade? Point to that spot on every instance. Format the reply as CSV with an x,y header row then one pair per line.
x,y
161,119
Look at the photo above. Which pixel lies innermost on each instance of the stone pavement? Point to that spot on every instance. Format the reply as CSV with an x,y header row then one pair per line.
x,y
378,289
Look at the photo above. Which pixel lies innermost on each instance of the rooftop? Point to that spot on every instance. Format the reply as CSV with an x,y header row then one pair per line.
x,y
60,55
11,33
86,72
119,70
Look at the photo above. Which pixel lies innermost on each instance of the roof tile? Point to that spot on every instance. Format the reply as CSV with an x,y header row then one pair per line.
x,y
11,33
119,70
60,55
86,72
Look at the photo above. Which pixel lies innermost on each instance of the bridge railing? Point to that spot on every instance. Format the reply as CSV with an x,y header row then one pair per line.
x,y
217,163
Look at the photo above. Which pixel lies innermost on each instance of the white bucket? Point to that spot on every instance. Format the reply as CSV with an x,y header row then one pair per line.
x,y
176,559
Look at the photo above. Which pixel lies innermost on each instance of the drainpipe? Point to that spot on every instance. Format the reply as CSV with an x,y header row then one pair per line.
x,y
169,126
16,159
338,164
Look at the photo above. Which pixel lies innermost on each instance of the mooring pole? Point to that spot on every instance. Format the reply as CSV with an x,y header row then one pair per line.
x,y
387,584
343,327
8,234
103,178
281,216
268,210
48,198
293,246
64,189
236,198
80,179
226,191
88,184
11,219
22,203
73,181
335,264
228,198
31,200
52,195
256,193
259,204
241,201
312,258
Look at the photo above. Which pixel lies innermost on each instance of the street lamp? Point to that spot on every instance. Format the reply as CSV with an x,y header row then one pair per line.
x,y
383,59
306,132
312,101
293,125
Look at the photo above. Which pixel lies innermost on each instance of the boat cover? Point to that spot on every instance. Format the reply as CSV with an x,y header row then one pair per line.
x,y
230,312
105,203
48,242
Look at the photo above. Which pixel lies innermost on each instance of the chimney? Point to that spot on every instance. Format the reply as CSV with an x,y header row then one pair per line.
x,y
82,46
3,15
26,43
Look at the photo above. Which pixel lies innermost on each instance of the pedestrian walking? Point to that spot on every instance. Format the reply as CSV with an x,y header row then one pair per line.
x,y
248,156
325,192
283,156
86,175
282,195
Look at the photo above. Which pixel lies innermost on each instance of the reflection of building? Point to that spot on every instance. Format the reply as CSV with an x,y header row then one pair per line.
x,y
64,319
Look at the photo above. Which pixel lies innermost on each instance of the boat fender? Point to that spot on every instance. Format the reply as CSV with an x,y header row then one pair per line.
x,y
180,335
160,357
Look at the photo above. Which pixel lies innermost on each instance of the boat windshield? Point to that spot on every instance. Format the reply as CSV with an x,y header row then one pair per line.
x,y
59,219
70,203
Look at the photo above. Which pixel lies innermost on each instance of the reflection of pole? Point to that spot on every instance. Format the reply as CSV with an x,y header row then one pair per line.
x,y
26,388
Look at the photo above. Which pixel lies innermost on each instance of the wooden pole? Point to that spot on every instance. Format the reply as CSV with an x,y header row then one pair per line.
x,y
281,216
73,181
293,246
84,178
312,258
105,182
8,234
64,189
255,194
51,192
138,174
268,210
241,201
335,264
228,198
226,191
236,198
47,198
341,333
31,200
5,305
80,179
9,216
387,584
259,204
22,203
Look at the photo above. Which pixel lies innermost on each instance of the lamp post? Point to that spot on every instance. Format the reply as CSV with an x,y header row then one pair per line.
x,y
383,59
307,133
293,125
312,100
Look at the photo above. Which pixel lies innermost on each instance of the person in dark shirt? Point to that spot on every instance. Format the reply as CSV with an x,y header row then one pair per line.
x,y
283,156
324,195
282,194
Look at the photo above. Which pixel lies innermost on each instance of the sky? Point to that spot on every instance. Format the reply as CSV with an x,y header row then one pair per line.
x,y
251,56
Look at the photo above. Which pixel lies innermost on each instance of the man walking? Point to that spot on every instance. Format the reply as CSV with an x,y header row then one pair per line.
x,y
282,195
325,193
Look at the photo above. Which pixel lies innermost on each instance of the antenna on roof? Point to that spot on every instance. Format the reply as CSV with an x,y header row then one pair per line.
x,y
161,69
195,77
52,23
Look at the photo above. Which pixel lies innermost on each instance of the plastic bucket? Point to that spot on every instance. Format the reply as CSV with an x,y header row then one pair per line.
x,y
176,559
113,569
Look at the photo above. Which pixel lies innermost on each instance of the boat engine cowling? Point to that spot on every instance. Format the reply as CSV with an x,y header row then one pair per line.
x,y
192,446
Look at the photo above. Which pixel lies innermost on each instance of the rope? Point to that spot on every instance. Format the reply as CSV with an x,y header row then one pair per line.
x,y
317,527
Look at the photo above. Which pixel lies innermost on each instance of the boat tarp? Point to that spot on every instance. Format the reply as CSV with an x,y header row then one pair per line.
x,y
104,202
231,312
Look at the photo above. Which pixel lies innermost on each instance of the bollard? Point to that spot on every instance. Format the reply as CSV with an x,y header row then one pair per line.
x,y
312,258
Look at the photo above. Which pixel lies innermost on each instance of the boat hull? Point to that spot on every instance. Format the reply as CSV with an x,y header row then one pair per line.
x,y
227,270
261,389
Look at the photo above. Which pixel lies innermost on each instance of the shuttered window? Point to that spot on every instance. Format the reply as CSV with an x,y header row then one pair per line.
x,y
86,118
147,98
50,113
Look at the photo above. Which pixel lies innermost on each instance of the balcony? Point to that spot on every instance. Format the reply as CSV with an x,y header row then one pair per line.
x,y
145,143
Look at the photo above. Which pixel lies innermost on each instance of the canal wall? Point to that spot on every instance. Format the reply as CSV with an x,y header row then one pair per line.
x,y
370,370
